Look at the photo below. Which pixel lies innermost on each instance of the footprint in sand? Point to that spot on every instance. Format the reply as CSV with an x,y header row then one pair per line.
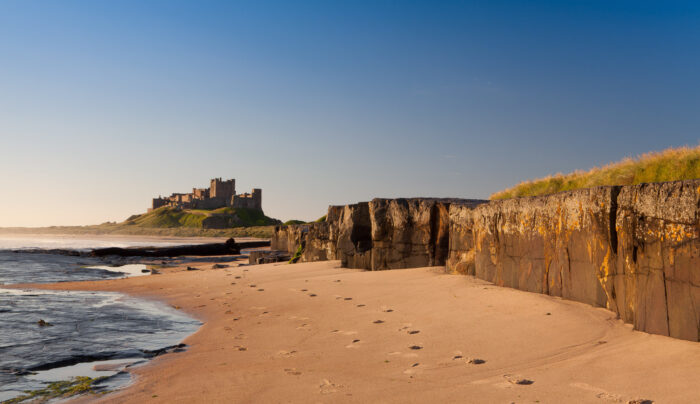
x,y
286,354
378,321
348,298
312,295
388,310
415,347
238,277
521,381
610,397
252,286
328,387
292,372
305,290
413,332
360,305
412,370
476,361
233,283
337,280
354,344
261,290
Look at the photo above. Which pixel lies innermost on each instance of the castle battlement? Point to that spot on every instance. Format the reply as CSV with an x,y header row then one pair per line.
x,y
219,194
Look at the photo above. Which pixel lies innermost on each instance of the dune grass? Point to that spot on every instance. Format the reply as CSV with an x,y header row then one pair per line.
x,y
682,163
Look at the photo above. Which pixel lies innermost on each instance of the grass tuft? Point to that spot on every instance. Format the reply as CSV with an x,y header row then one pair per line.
x,y
297,254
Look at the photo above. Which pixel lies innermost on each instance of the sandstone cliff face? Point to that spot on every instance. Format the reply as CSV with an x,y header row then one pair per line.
x,y
288,238
404,233
657,277
354,241
460,254
559,244
317,246
410,233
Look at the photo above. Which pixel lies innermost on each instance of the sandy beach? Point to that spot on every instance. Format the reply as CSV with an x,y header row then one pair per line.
x,y
315,332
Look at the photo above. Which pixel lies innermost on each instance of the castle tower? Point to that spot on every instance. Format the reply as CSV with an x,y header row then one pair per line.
x,y
222,189
257,198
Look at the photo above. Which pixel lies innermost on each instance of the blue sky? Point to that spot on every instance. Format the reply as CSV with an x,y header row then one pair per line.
x,y
104,105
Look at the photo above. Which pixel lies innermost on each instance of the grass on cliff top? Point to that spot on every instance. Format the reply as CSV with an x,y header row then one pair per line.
x,y
673,164
294,221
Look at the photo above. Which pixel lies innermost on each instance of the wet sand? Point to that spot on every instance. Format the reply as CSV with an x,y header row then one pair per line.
x,y
315,332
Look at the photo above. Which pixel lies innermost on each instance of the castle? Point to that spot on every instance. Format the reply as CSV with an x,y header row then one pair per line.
x,y
220,194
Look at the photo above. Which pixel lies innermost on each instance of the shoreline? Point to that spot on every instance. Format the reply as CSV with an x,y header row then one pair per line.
x,y
318,332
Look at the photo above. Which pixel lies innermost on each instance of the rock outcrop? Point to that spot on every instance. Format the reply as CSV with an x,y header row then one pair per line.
x,y
354,237
656,282
410,233
558,244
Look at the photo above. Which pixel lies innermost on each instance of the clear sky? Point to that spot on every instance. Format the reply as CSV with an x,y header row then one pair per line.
x,y
106,104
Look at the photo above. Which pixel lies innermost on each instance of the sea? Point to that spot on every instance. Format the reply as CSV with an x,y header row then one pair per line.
x,y
48,336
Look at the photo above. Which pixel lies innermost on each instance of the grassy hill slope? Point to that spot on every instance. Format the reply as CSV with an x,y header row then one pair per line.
x,y
673,164
222,218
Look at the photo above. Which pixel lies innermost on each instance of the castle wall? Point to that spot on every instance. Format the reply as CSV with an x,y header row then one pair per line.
x,y
158,203
248,201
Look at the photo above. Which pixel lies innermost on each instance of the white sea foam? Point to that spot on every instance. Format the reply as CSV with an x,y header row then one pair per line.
x,y
129,270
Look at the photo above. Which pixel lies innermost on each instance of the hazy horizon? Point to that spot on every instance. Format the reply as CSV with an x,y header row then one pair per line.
x,y
104,106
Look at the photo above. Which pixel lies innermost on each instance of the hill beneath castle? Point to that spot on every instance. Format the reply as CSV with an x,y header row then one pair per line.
x,y
222,218
167,221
